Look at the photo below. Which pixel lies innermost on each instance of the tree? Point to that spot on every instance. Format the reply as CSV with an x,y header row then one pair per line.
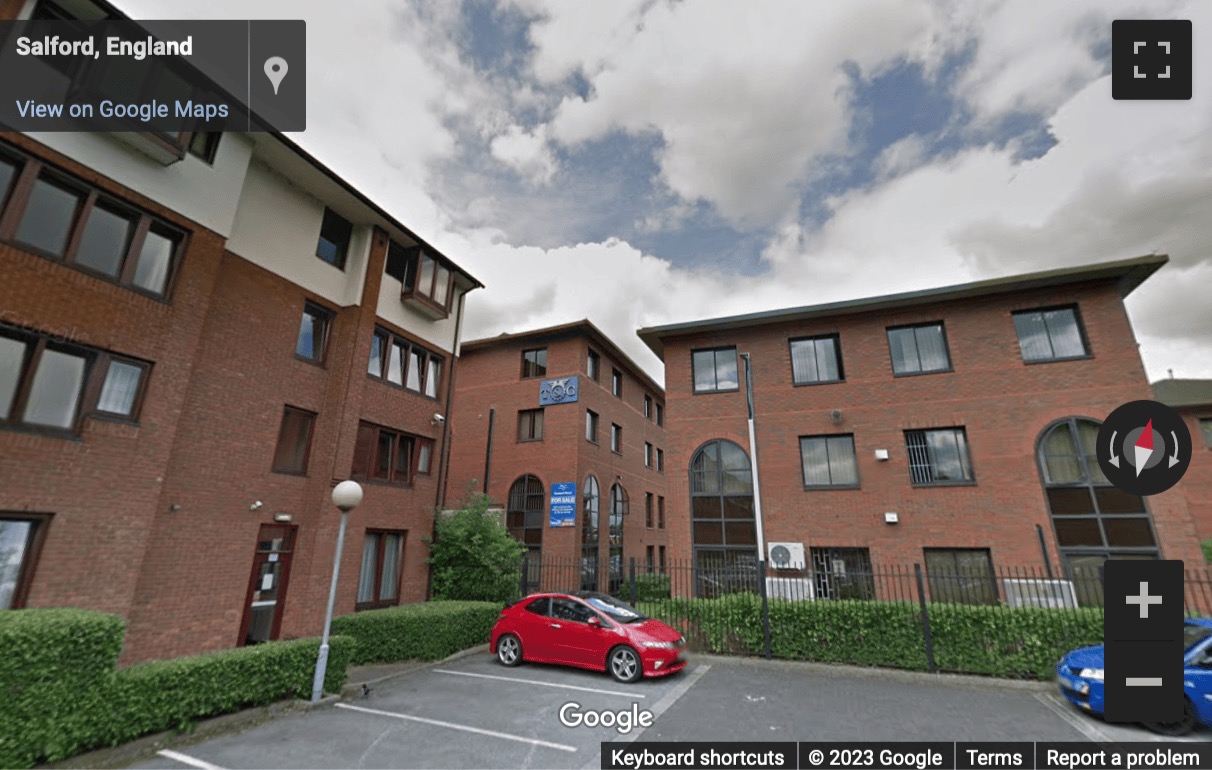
x,y
473,555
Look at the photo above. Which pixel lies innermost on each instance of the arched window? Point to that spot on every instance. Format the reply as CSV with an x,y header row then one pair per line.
x,y
524,518
618,510
1093,520
591,502
723,529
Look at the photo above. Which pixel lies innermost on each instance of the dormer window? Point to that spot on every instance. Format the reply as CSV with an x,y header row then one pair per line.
x,y
427,280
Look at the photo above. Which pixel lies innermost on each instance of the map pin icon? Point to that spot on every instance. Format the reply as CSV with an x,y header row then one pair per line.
x,y
275,70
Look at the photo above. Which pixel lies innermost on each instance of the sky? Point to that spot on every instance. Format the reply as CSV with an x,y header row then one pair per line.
x,y
643,162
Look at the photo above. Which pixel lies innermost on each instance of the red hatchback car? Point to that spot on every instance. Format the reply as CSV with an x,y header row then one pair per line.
x,y
587,630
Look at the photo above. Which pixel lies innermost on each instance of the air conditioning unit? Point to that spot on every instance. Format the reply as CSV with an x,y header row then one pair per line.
x,y
1036,592
790,589
785,555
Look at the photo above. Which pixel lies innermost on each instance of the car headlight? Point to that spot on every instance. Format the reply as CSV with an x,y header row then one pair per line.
x,y
1091,673
661,645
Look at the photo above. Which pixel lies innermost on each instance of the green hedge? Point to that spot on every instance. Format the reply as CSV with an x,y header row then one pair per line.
x,y
429,631
998,641
62,695
650,587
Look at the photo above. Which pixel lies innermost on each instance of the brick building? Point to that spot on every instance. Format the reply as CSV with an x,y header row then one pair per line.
x,y
939,427
1193,399
199,337
564,406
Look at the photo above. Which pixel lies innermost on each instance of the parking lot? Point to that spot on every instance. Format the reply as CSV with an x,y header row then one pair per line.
x,y
474,713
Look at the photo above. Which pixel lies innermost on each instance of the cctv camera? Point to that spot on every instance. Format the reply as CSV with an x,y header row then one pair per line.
x,y
255,506
439,418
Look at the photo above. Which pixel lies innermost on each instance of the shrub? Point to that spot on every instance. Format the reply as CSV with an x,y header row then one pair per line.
x,y
999,641
649,587
1207,548
429,631
62,694
474,557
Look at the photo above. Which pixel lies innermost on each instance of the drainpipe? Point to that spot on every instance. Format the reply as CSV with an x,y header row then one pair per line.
x,y
753,461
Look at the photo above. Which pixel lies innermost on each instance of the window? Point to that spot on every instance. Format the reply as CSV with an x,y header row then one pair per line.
x,y
424,456
816,360
649,558
828,461
661,558
385,455
616,439
648,511
961,575
379,581
660,460
647,455
425,279
591,426
723,529
660,414
399,362
714,370
842,573
45,383
524,519
534,363
1050,335
590,510
660,511
593,366
204,145
312,341
21,536
1205,427
1092,519
648,406
919,349
616,382
77,225
530,425
938,456
294,441
620,507
335,235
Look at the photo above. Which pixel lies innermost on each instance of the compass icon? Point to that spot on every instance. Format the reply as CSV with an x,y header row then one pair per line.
x,y
1144,447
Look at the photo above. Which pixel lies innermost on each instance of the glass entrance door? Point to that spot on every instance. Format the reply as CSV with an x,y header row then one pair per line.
x,y
267,584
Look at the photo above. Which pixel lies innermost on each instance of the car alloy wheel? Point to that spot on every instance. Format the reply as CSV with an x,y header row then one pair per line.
x,y
509,650
1181,727
625,664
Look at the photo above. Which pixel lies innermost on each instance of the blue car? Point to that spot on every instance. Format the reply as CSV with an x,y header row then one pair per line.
x,y
1080,676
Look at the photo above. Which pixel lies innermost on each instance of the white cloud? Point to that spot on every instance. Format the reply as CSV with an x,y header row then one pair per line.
x,y
526,153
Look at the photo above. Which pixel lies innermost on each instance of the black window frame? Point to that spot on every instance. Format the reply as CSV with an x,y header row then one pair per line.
x,y
942,327
660,511
592,423
534,363
660,460
649,504
593,365
856,484
715,351
944,592
14,203
616,383
31,553
388,340
660,414
616,438
530,425
836,339
647,406
1077,322
331,219
325,316
310,422
966,459
648,454
204,145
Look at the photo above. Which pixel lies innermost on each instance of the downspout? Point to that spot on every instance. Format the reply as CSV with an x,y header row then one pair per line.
x,y
753,461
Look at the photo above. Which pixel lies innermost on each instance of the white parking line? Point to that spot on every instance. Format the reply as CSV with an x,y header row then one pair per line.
x,y
540,684
1101,732
185,759
464,728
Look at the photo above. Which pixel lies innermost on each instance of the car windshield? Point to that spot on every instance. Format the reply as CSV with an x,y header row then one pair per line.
x,y
613,608
1194,634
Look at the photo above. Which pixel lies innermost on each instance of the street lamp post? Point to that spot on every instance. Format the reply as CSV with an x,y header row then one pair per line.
x,y
346,497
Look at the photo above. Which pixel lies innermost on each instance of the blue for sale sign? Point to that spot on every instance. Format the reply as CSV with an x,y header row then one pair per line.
x,y
563,511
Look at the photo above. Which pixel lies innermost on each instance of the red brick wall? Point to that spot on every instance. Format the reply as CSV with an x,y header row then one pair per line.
x,y
490,378
1003,403
1196,484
